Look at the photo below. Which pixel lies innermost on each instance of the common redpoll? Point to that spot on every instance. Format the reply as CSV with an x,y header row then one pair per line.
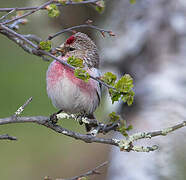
x,y
67,92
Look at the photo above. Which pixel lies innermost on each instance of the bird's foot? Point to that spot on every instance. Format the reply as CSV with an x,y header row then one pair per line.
x,y
79,118
53,117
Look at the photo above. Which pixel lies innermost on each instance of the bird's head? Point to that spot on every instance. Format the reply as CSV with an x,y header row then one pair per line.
x,y
81,46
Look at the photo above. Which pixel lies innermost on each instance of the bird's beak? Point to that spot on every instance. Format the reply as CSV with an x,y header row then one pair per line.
x,y
61,48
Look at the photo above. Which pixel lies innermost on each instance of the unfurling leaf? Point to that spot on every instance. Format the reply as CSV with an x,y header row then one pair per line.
x,y
130,127
115,96
128,98
100,6
109,78
53,10
76,62
82,74
125,84
123,128
113,117
123,87
45,45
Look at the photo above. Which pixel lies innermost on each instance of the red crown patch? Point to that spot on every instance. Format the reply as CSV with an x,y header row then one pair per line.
x,y
70,40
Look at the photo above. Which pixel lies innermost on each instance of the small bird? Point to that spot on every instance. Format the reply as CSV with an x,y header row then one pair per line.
x,y
67,92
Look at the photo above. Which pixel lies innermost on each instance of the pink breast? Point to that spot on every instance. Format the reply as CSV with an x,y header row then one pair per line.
x,y
57,71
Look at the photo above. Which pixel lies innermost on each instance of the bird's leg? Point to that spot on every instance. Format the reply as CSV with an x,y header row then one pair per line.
x,y
79,118
89,117
89,126
53,117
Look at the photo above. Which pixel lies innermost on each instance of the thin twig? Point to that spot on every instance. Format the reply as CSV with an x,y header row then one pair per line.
x,y
43,8
7,137
25,46
33,37
89,173
15,24
10,12
21,109
82,2
80,26
3,27
29,13
42,52
45,121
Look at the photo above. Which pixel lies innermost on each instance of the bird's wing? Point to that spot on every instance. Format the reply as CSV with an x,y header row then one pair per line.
x,y
97,73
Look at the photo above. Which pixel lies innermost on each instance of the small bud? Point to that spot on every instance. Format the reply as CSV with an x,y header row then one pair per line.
x,y
45,45
100,3
48,7
100,6
19,13
89,21
47,178
53,10
24,21
111,33
103,33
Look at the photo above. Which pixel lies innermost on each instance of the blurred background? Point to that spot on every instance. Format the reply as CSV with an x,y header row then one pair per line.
x,y
150,44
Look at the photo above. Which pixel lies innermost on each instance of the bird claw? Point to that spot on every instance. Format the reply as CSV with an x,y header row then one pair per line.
x,y
79,118
53,118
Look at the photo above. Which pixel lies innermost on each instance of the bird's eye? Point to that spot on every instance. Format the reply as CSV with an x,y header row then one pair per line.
x,y
71,49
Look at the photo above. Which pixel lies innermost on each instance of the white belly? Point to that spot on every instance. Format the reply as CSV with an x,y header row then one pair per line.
x,y
70,98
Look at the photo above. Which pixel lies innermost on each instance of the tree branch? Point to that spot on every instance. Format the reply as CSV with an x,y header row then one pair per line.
x,y
10,12
43,8
124,144
89,173
21,109
36,51
97,126
45,121
80,26
26,43
29,13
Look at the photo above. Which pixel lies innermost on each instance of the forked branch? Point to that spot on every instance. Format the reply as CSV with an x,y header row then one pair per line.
x,y
89,173
126,144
